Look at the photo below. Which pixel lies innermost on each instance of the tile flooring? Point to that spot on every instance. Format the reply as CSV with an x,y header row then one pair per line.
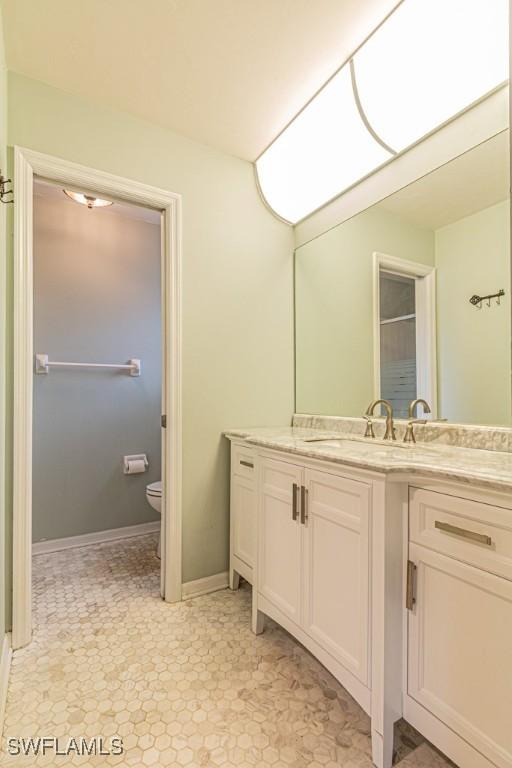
x,y
183,685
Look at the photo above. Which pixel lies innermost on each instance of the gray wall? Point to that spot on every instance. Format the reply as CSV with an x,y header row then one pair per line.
x,y
96,299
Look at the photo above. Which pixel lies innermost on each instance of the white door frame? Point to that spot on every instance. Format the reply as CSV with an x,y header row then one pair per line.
x,y
425,331
26,164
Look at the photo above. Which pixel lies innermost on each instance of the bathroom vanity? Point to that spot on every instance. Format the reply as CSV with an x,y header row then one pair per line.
x,y
389,559
392,563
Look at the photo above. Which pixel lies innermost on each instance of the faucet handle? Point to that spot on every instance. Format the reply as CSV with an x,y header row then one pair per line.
x,y
369,427
409,436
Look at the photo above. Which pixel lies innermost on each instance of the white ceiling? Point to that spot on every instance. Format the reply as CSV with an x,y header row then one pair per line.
x,y
474,181
228,73
54,192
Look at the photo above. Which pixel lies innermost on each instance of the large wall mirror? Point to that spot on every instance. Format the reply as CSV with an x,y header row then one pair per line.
x,y
393,302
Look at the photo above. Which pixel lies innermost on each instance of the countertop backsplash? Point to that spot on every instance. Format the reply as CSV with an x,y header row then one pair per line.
x,y
488,438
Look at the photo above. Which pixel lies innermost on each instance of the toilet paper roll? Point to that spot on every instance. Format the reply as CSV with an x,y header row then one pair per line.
x,y
135,466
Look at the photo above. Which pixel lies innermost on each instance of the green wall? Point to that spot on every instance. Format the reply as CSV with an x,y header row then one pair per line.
x,y
473,345
237,287
334,308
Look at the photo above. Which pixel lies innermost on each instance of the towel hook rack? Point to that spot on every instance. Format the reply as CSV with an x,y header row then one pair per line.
x,y
477,300
3,191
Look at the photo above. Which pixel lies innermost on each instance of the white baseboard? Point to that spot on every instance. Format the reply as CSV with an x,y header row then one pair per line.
x,y
55,545
5,667
204,586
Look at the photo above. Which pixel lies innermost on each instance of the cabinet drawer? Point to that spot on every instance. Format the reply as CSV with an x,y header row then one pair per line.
x,y
476,533
242,461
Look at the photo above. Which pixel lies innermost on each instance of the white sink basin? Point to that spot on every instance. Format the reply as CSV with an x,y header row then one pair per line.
x,y
367,442
370,442
378,449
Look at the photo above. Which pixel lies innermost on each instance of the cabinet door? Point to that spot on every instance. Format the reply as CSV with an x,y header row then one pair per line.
x,y
336,568
243,511
460,651
279,541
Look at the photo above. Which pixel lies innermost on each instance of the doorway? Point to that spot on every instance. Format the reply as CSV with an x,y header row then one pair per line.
x,y
404,314
28,167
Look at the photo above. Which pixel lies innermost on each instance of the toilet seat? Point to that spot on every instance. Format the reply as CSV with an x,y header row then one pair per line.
x,y
154,489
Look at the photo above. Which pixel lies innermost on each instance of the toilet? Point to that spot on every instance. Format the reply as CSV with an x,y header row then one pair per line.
x,y
154,497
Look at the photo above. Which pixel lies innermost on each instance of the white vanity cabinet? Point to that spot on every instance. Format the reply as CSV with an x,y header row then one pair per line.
x,y
459,646
313,563
242,514
401,588
319,562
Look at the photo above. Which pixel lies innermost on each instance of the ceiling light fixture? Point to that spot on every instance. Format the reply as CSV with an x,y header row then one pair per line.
x,y
325,149
429,61
89,200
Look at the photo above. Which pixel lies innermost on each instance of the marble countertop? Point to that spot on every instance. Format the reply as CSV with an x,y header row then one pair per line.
x,y
470,465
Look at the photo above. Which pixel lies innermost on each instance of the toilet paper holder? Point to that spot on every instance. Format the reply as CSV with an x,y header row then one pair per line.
x,y
132,464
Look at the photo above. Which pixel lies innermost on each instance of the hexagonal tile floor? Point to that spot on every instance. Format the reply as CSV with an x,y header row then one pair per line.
x,y
181,685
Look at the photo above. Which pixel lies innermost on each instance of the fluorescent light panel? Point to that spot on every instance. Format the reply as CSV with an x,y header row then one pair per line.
x,y
430,60
427,62
325,149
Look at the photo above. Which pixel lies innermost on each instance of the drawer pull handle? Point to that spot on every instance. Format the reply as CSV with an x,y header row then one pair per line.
x,y
464,533
303,505
247,464
295,511
410,599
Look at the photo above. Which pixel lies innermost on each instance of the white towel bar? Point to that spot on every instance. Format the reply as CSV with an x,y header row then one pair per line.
x,y
43,365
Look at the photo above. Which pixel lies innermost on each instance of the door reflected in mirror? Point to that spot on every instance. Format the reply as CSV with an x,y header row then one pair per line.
x,y
387,303
397,342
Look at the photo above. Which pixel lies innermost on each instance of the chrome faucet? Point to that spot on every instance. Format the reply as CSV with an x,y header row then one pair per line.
x,y
409,432
390,433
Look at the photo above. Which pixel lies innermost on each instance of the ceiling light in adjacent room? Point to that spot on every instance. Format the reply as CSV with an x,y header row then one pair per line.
x,y
88,200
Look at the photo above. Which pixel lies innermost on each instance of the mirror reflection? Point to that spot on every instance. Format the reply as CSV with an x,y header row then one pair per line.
x,y
411,299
